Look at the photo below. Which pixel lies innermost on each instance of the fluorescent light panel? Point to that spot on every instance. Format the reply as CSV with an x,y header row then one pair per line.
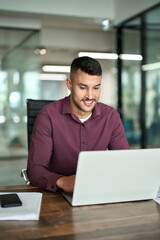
x,y
135,57
52,77
98,55
151,66
54,68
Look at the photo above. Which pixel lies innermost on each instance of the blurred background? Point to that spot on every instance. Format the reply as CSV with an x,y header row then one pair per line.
x,y
37,36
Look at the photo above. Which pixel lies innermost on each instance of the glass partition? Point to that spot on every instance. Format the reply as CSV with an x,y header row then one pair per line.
x,y
131,84
139,79
17,60
152,73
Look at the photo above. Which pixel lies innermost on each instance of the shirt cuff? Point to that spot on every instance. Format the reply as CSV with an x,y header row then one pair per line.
x,y
49,182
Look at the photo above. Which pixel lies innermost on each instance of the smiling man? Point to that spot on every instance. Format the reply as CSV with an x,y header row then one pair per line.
x,y
73,124
85,92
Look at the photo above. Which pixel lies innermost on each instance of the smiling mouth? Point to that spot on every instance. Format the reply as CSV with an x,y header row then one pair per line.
x,y
88,102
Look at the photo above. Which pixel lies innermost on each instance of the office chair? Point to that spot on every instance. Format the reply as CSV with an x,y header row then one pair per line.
x,y
33,107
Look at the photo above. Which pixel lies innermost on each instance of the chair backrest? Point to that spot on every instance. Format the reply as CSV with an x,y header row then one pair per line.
x,y
33,107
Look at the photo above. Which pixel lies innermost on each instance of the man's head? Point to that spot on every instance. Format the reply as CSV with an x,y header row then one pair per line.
x,y
87,65
84,84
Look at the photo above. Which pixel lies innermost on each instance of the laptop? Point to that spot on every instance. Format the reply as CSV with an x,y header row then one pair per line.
x,y
115,176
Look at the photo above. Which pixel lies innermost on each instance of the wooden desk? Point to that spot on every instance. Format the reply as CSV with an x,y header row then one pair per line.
x,y
58,220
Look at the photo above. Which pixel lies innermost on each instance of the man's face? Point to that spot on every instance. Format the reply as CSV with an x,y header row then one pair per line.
x,y
85,92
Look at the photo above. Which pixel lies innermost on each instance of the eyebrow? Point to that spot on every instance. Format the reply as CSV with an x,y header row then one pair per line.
x,y
82,84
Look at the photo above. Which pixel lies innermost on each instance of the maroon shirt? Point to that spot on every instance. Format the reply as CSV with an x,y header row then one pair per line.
x,y
58,137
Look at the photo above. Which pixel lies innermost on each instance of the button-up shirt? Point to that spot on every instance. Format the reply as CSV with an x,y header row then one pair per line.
x,y
58,137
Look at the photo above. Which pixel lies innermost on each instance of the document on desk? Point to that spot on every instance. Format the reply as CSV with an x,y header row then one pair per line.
x,y
30,209
157,199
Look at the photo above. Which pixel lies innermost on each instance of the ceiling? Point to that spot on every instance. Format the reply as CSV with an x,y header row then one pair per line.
x,y
62,36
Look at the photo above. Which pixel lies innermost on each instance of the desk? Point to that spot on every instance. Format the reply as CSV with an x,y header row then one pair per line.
x,y
58,220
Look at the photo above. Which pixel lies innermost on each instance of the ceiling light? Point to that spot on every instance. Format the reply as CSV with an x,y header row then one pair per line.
x,y
151,66
16,119
43,51
54,68
36,51
98,55
40,50
134,57
52,77
105,24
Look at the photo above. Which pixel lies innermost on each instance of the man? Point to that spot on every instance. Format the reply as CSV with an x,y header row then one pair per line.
x,y
70,125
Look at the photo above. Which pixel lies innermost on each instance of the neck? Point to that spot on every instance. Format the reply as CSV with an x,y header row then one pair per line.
x,y
83,114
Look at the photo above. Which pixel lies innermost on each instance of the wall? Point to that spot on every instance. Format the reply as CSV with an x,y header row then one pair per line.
x,y
76,39
109,83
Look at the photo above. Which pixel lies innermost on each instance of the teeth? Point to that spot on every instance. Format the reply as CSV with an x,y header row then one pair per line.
x,y
88,101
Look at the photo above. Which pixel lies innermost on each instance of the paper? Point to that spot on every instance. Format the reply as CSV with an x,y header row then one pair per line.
x,y
157,199
30,209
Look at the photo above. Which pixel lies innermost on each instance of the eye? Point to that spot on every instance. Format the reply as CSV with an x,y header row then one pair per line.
x,y
83,88
96,88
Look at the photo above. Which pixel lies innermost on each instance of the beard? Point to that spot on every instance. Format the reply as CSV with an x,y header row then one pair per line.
x,y
81,107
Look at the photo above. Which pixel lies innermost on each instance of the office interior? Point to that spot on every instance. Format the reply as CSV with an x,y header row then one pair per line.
x,y
30,41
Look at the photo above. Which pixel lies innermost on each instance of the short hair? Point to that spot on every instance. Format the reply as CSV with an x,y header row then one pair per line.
x,y
87,65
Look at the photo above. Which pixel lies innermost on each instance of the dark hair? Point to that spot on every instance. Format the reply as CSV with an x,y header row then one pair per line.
x,y
87,65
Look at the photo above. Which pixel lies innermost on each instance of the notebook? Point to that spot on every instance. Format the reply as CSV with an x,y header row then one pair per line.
x,y
115,176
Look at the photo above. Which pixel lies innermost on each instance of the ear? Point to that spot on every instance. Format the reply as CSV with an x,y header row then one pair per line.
x,y
69,83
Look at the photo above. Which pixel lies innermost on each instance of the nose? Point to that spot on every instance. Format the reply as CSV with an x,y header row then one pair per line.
x,y
89,94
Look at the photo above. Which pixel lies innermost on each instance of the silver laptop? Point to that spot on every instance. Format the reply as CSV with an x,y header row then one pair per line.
x,y
115,176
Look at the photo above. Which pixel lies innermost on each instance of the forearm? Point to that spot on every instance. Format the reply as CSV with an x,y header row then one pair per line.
x,y
42,177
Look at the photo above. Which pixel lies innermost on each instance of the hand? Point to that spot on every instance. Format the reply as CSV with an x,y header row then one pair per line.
x,y
66,183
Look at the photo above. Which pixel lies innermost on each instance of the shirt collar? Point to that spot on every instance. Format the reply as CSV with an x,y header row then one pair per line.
x,y
66,107
96,111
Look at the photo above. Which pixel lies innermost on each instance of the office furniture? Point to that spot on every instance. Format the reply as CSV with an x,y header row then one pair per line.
x,y
33,107
58,220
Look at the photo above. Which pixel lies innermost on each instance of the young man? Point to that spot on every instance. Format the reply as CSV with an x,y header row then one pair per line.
x,y
70,125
